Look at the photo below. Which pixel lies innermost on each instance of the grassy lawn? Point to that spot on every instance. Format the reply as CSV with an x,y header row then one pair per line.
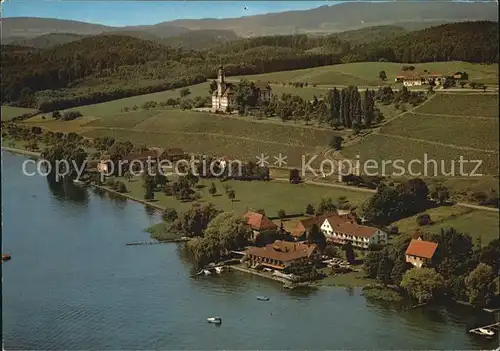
x,y
124,120
9,112
473,222
481,133
347,279
380,148
271,196
470,105
366,73
76,126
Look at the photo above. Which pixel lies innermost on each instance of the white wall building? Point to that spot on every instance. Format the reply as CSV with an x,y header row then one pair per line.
x,y
224,96
359,235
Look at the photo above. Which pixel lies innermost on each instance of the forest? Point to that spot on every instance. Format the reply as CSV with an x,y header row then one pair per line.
x,y
107,67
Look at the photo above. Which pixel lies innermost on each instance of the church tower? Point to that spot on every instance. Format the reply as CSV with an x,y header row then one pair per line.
x,y
220,80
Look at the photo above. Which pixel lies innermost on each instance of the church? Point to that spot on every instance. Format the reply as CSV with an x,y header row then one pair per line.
x,y
224,97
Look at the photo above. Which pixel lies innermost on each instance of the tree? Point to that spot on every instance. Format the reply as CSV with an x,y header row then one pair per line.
x,y
371,263
56,115
462,84
336,142
261,211
384,268
440,194
422,283
424,219
128,176
399,269
349,252
194,221
281,214
294,176
310,209
149,195
316,236
478,283
326,205
484,87
212,190
231,194
213,87
120,187
169,215
382,75
184,92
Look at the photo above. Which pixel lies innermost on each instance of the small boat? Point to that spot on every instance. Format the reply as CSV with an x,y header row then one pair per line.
x,y
214,320
263,298
207,272
486,332
219,269
6,257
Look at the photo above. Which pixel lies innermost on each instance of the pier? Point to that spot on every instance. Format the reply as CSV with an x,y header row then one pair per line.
x,y
495,328
155,242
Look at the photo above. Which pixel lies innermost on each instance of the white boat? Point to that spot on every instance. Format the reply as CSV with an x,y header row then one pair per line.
x,y
487,332
263,298
80,183
207,272
214,320
219,269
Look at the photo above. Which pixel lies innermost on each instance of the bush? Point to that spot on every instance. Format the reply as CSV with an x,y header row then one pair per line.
x,y
110,182
281,214
120,187
71,115
56,114
424,219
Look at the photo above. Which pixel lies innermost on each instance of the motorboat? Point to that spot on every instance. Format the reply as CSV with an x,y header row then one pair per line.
x,y
207,272
6,257
263,298
219,269
486,332
214,320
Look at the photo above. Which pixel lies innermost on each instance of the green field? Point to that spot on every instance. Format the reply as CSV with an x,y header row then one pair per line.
x,y
382,147
468,105
9,112
473,222
253,195
366,73
469,132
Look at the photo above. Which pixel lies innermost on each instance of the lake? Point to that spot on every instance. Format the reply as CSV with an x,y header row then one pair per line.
x,y
72,284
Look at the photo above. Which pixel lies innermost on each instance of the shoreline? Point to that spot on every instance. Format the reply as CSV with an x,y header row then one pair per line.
x,y
130,197
22,152
282,180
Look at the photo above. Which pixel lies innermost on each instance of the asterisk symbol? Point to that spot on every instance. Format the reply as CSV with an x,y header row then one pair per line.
x,y
280,160
262,160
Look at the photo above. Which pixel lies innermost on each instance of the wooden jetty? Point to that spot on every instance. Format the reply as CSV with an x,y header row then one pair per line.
x,y
495,328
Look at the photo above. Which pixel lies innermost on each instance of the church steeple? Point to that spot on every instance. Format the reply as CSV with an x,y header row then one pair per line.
x,y
220,80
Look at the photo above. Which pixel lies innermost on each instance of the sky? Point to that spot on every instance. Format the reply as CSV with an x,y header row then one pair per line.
x,y
123,13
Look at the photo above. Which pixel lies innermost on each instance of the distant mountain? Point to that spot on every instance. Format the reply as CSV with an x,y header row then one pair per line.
x,y
31,27
47,40
325,19
201,39
350,16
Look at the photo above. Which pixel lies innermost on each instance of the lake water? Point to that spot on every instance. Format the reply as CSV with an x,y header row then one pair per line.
x,y
72,284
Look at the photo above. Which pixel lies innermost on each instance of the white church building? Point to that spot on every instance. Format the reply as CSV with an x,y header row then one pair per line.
x,y
224,97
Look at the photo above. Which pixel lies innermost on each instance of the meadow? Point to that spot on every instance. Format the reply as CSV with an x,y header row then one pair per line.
x,y
467,105
9,112
473,222
366,73
383,147
461,131
253,195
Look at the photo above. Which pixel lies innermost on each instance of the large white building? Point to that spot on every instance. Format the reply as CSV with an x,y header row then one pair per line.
x,y
224,96
360,236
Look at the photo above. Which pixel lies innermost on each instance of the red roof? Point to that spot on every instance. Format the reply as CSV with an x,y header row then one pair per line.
x,y
307,224
421,248
283,251
356,229
258,221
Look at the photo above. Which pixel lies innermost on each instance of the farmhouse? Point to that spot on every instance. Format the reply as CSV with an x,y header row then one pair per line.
x,y
224,97
259,224
299,233
412,78
283,255
264,91
420,252
338,230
